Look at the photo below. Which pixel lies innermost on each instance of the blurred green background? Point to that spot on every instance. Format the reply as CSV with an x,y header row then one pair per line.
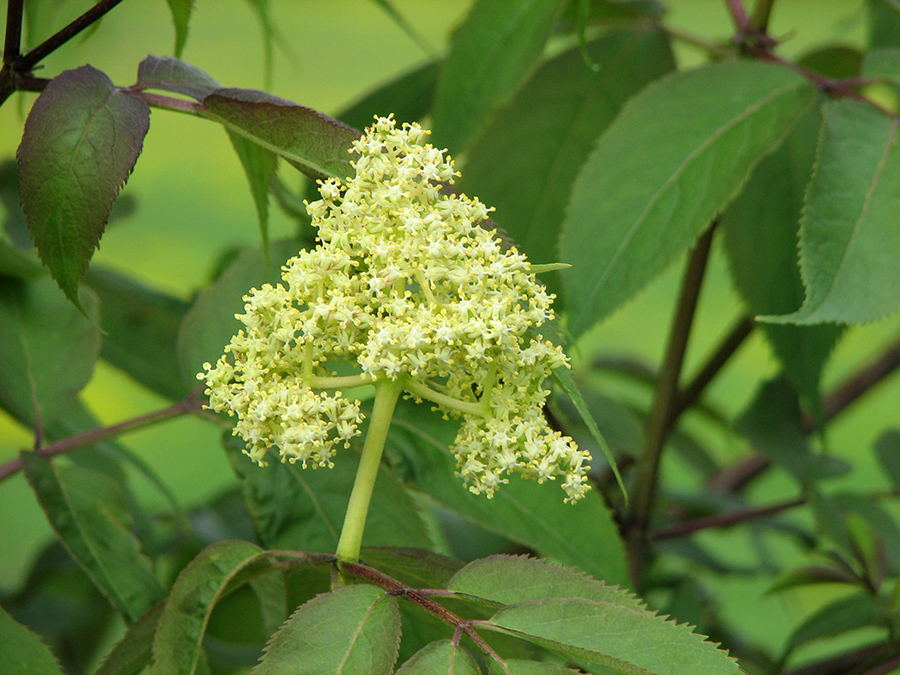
x,y
193,202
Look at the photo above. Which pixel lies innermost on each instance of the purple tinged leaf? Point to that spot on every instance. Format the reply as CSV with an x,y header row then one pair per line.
x,y
81,141
173,75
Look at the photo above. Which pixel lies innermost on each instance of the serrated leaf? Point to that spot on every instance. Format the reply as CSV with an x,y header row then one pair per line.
x,y
674,157
299,509
259,167
507,580
181,16
317,145
836,618
177,644
416,567
141,330
442,656
525,160
887,449
131,654
47,348
87,511
520,667
354,629
491,54
168,74
81,141
849,232
621,638
760,230
581,534
210,324
22,652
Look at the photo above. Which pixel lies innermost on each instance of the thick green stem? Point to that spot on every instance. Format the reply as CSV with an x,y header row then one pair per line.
x,y
759,20
386,394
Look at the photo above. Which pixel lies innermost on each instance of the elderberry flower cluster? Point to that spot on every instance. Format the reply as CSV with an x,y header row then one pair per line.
x,y
405,284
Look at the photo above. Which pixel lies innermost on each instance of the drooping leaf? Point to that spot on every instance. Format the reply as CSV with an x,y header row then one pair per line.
x,y
836,618
87,511
849,232
22,652
675,156
525,160
491,54
181,16
47,348
317,145
177,643
299,509
131,654
388,7
621,638
443,656
81,141
141,330
507,580
354,629
884,23
887,449
760,231
168,74
259,166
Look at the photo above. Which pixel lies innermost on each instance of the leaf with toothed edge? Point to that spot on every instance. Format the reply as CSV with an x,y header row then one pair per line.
x,y
22,652
441,656
81,141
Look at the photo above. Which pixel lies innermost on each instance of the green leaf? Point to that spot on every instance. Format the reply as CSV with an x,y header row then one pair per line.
x,y
760,230
416,567
17,263
617,637
848,233
317,145
259,167
132,653
354,629
507,580
210,324
883,64
676,155
887,449
836,618
81,141
141,330
168,74
810,576
520,667
525,160
443,656
834,61
181,16
491,55
177,644
87,511
47,348
22,652
302,510
581,534
884,23
404,25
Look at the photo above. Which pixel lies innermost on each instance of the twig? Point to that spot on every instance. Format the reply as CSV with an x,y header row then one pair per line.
x,y
188,405
759,22
738,15
725,519
12,44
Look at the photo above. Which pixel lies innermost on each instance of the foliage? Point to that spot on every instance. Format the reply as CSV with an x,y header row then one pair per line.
x,y
607,162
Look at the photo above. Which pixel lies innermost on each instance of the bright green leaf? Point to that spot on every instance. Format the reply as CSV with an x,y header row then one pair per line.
x,y
491,54
442,656
525,160
81,141
87,511
621,638
671,161
181,16
47,348
354,629
849,233
259,167
168,74
883,64
22,652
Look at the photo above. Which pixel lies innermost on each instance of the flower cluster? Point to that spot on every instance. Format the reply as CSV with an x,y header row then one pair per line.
x,y
405,284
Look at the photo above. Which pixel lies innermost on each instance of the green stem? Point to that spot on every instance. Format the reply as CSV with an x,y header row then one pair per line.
x,y
386,394
424,391
759,20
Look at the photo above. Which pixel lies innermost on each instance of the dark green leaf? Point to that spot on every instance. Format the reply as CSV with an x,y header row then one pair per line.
x,y
259,166
141,327
491,55
835,61
177,644
618,637
812,575
884,23
760,232
17,263
317,145
848,233
836,618
299,509
354,629
22,652
81,141
416,567
519,667
883,64
14,220
443,656
132,653
87,511
168,74
181,16
47,348
676,155
887,449
526,159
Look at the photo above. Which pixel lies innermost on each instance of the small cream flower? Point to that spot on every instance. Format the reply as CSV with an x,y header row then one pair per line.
x,y
404,284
